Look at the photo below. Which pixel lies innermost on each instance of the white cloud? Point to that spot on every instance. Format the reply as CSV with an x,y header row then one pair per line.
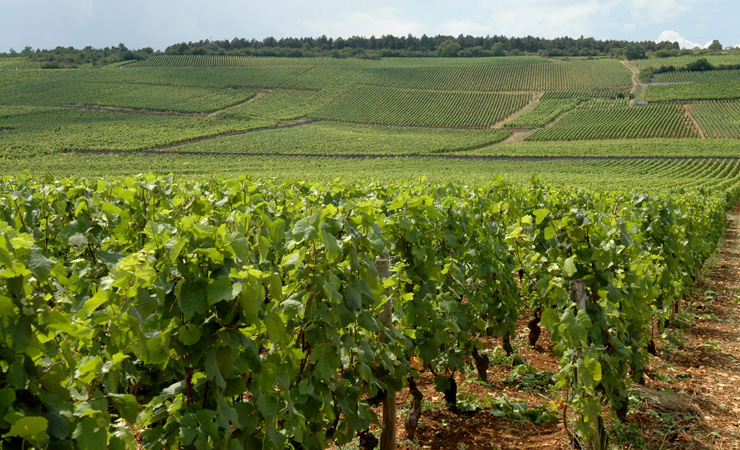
x,y
547,19
674,36
659,11
365,23
465,27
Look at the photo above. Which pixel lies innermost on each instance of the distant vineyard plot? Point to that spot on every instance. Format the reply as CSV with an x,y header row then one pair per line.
x,y
545,112
560,75
682,61
718,119
708,76
378,105
463,74
620,122
694,91
330,138
36,131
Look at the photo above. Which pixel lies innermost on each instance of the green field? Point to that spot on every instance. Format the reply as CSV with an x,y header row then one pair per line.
x,y
619,122
34,131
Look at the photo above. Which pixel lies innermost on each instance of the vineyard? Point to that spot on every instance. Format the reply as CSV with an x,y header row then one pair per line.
x,y
603,94
624,148
331,138
545,112
36,131
572,75
247,252
718,119
136,96
694,91
707,76
376,105
612,122
683,61
181,312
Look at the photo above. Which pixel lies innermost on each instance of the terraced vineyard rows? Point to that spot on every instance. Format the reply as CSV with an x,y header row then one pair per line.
x,y
35,131
683,61
378,105
543,113
623,148
607,93
597,122
212,77
708,76
327,138
720,119
219,61
694,91
126,95
278,104
572,75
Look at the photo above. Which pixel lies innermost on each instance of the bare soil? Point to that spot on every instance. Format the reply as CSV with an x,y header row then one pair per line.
x,y
688,114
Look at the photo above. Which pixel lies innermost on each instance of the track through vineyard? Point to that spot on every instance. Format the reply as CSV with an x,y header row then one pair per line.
x,y
635,80
693,120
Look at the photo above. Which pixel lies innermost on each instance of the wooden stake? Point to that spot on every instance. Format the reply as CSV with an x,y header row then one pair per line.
x,y
388,435
577,291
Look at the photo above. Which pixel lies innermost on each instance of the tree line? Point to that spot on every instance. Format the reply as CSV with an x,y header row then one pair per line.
x,y
410,46
366,48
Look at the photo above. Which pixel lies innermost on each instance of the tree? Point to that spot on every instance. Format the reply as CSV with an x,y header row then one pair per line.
x,y
699,65
448,48
634,51
715,45
497,49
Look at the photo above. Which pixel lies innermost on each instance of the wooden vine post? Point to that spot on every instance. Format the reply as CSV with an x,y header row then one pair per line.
x,y
388,435
577,291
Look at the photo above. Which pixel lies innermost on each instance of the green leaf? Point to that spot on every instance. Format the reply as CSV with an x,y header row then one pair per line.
x,y
78,240
292,261
549,232
127,406
276,331
213,371
189,334
594,368
89,436
40,265
225,361
267,405
540,215
31,428
550,319
570,266
333,250
219,289
302,231
264,248
353,295
93,303
7,397
192,298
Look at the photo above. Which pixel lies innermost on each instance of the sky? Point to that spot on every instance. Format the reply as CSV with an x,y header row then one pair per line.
x,y
158,23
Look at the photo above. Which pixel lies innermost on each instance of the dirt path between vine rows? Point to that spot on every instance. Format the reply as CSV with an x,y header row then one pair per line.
x,y
700,362
635,73
691,117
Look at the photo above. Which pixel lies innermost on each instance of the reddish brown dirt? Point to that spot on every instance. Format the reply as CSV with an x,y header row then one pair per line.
x,y
688,114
